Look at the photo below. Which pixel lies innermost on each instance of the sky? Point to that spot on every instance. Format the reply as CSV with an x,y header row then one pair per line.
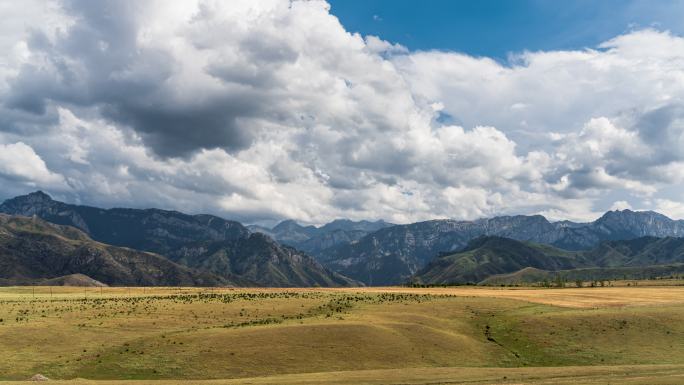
x,y
405,111
498,28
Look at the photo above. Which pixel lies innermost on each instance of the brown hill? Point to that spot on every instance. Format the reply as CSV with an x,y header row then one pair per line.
x,y
33,250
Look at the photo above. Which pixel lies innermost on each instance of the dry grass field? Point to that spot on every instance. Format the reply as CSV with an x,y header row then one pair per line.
x,y
455,335
566,297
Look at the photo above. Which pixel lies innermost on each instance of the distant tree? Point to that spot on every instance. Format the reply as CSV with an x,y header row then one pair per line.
x,y
578,283
560,282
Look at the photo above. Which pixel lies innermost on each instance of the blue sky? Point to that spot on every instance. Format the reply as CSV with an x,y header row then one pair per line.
x,y
496,27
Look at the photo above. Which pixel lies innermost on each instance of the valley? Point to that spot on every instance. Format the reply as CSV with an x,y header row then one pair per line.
x,y
138,296
341,192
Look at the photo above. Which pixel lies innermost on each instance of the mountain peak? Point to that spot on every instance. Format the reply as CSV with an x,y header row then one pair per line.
x,y
349,225
627,213
18,205
491,241
342,220
287,224
38,196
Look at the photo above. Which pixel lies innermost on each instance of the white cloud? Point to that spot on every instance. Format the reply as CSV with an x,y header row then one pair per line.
x,y
271,109
621,205
561,90
674,209
20,163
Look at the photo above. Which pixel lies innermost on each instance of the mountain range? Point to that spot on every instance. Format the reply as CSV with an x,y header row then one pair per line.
x,y
314,240
393,254
204,242
348,253
496,260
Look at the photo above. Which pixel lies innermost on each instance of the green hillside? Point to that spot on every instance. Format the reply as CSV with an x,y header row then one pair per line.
x,y
495,261
487,256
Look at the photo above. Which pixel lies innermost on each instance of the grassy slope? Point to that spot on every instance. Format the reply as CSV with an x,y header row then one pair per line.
x,y
495,261
171,334
489,256
531,275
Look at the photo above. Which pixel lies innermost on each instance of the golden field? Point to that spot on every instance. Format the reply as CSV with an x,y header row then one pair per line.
x,y
620,334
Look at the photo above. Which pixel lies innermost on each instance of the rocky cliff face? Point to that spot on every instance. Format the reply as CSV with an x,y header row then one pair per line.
x,y
632,224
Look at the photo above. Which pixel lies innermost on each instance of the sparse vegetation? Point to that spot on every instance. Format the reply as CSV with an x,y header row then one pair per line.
x,y
194,333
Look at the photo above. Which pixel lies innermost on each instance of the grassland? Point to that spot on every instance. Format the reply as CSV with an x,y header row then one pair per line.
x,y
476,335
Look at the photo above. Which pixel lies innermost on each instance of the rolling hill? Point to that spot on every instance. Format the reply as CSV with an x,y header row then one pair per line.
x,y
487,256
495,260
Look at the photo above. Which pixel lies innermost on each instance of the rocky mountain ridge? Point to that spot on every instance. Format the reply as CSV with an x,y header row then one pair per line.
x,y
314,240
375,253
391,255
214,245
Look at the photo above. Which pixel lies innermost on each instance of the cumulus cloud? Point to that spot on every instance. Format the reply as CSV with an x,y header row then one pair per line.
x,y
20,164
673,208
267,110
